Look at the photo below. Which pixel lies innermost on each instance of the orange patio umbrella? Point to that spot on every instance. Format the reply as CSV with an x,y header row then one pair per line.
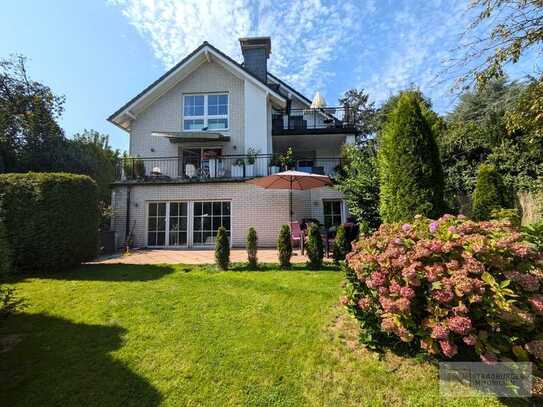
x,y
292,180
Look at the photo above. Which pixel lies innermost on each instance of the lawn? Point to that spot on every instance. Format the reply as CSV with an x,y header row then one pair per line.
x,y
185,335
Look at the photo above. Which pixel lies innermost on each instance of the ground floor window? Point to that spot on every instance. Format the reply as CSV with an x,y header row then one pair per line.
x,y
332,212
186,224
208,217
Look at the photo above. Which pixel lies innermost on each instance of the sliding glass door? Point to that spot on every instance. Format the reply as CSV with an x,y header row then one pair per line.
x,y
186,224
178,224
207,218
156,226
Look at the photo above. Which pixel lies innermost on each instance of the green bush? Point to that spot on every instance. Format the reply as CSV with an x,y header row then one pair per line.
x,y
511,215
489,193
5,250
341,245
314,248
222,249
534,234
133,167
49,221
251,248
411,177
284,247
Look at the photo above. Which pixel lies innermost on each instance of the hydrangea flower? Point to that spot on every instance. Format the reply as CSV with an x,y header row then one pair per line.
x,y
433,227
460,325
439,332
448,348
406,227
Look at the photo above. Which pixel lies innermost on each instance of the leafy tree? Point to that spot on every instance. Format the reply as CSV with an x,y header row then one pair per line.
x,y
359,182
411,178
30,138
363,111
489,193
500,33
252,248
314,248
222,249
284,247
341,245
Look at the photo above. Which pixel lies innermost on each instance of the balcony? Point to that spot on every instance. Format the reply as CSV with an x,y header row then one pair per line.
x,y
218,168
327,120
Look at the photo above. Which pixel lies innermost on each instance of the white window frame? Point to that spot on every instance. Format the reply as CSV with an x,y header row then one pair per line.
x,y
190,223
206,116
341,209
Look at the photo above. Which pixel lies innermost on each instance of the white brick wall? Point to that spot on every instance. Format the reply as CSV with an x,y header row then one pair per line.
x,y
264,209
165,114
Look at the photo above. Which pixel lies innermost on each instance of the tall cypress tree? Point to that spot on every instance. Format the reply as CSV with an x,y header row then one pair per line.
x,y
410,171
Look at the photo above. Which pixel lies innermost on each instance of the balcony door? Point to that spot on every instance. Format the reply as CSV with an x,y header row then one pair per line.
x,y
196,161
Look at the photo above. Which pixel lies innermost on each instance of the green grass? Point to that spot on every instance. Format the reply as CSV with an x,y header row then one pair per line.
x,y
184,335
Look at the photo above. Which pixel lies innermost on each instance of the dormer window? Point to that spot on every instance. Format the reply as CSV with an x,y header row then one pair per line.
x,y
205,112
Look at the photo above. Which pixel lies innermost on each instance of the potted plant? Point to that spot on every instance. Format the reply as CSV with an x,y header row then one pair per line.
x,y
275,165
133,167
287,159
251,160
237,168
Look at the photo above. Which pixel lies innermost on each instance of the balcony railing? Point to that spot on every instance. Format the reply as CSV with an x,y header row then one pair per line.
x,y
219,167
327,118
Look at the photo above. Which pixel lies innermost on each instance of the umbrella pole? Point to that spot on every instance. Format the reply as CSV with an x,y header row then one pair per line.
x,y
290,203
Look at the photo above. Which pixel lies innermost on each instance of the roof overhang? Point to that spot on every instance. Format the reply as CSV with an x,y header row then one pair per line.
x,y
206,53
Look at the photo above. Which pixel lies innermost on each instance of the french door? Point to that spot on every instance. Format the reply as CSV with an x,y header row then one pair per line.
x,y
186,224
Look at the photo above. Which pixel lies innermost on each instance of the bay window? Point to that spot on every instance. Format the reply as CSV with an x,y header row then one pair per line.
x,y
209,112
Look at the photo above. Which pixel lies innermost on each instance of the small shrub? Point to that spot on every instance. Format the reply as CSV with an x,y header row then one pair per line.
x,y
511,215
133,167
284,247
447,286
341,245
222,249
314,248
489,193
252,240
49,221
534,234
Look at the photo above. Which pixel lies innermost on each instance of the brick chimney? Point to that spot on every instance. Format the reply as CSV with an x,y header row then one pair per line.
x,y
256,51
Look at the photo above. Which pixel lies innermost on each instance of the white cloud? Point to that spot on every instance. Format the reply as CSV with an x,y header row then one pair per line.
x,y
307,36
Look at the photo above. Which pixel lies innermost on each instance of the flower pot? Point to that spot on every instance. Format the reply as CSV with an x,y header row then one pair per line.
x,y
250,170
274,169
237,171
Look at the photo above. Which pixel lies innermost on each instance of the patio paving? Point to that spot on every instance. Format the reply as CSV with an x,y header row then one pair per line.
x,y
159,256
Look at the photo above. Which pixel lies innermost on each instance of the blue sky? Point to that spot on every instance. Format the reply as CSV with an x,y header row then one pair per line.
x,y
101,53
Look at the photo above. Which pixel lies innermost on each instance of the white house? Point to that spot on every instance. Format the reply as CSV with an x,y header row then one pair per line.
x,y
200,131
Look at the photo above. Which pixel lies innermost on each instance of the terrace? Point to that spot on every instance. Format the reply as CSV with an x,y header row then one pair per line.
x,y
218,167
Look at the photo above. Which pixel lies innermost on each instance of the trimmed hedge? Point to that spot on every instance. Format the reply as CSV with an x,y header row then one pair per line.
x,y
49,221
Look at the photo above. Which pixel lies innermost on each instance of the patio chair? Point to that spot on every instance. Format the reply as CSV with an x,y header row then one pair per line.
x,y
296,234
190,170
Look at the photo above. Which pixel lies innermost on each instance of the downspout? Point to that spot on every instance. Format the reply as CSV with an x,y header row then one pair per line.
x,y
127,227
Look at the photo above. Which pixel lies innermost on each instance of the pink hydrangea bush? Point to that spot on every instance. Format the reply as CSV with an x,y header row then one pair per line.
x,y
447,285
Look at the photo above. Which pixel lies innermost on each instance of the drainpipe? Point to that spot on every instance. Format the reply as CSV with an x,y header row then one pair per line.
x,y
127,227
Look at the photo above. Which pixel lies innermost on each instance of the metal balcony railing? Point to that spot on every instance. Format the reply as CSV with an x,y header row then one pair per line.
x,y
219,167
322,118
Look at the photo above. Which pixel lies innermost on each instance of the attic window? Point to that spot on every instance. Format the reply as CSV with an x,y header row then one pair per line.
x,y
205,112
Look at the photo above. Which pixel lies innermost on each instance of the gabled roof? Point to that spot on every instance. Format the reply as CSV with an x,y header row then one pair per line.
x,y
123,115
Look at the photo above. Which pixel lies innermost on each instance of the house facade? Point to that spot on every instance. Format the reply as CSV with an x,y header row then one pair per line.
x,y
203,129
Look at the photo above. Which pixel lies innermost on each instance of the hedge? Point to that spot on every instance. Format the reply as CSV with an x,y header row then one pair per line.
x,y
49,221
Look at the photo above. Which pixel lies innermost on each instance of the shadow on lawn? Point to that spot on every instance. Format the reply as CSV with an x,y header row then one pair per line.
x,y
103,272
53,361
